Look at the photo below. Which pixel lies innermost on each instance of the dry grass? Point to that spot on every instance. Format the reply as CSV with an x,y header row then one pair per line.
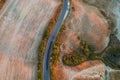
x,y
21,32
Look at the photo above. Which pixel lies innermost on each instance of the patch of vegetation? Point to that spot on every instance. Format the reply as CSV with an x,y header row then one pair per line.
x,y
42,47
56,47
112,57
55,55
51,73
73,59
112,53
113,48
84,48
55,52
43,44
109,63
115,75
94,56
85,53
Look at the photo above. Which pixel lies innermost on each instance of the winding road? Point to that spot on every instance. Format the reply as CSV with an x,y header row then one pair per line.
x,y
64,13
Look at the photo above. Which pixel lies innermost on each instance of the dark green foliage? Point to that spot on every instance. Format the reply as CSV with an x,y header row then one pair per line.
x,y
73,59
114,51
76,58
55,53
94,56
54,57
42,47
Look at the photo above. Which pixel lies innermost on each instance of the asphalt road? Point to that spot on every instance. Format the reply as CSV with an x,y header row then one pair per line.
x,y
46,69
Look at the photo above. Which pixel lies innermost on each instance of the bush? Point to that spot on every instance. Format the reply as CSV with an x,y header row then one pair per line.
x,y
73,59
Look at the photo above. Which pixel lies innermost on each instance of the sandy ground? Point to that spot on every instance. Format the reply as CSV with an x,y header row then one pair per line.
x,y
22,23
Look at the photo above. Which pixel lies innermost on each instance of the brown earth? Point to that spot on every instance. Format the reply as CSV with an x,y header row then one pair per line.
x,y
2,2
58,73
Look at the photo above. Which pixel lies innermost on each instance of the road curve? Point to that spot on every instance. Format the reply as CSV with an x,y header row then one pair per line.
x,y
64,13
